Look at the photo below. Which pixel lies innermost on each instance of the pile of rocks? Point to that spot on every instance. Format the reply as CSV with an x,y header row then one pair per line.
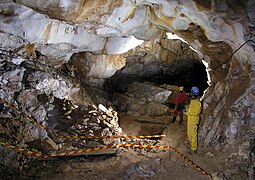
x,y
41,92
96,121
144,99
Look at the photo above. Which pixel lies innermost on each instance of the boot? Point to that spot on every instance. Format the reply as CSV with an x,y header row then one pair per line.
x,y
181,120
174,118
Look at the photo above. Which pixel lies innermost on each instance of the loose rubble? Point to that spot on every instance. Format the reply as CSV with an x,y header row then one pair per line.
x,y
36,92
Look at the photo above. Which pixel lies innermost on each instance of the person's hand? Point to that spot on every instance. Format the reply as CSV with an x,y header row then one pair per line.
x,y
185,111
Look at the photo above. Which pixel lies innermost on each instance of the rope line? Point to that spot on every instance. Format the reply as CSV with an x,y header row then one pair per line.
x,y
76,152
29,117
234,53
104,137
70,136
37,154
40,155
174,150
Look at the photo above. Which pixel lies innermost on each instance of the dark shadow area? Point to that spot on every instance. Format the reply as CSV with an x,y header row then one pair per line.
x,y
151,129
185,73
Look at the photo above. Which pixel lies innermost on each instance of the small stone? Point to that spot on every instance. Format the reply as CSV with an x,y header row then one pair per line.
x,y
216,176
65,169
210,154
68,112
224,66
50,143
102,108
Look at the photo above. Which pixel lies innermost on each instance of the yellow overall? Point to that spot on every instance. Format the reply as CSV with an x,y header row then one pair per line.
x,y
193,120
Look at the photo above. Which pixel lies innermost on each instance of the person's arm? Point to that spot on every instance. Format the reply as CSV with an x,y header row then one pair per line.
x,y
194,108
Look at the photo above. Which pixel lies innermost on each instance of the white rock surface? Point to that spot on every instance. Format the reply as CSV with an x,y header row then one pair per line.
x,y
142,19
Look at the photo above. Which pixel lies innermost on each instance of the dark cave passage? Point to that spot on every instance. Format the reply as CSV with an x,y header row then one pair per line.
x,y
185,73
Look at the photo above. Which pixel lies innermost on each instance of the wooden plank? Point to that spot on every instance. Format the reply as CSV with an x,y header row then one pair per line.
x,y
153,121
110,151
100,152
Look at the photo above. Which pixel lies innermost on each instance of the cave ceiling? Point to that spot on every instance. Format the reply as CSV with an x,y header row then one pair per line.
x,y
67,27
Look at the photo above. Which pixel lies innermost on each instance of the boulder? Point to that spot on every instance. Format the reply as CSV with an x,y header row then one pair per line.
x,y
153,109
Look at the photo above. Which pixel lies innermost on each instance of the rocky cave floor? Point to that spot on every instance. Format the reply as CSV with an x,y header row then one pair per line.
x,y
132,163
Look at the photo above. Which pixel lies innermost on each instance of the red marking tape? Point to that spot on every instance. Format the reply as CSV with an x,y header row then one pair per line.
x,y
103,137
81,151
29,117
171,148
74,137
37,154
33,153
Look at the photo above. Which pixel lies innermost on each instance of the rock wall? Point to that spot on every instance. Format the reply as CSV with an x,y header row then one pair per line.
x,y
142,99
33,88
36,98
95,69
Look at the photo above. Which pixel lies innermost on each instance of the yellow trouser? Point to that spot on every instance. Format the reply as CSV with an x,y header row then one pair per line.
x,y
193,120
192,135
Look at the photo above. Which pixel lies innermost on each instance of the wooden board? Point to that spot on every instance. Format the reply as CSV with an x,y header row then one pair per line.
x,y
154,121
110,151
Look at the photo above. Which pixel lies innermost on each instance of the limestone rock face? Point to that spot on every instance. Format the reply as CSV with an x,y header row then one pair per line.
x,y
95,25
33,90
143,99
38,102
95,69
149,92
75,11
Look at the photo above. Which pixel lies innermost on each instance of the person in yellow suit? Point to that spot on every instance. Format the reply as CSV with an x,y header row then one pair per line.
x,y
193,119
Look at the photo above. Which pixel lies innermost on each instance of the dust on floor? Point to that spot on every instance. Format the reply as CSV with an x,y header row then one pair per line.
x,y
133,163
